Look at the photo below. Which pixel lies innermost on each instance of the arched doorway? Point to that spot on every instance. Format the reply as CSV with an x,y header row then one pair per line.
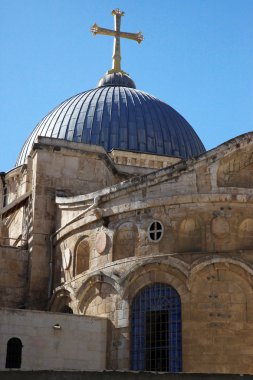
x,y
14,353
156,329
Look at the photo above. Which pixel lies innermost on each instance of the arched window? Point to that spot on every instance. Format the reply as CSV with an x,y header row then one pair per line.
x,y
156,329
82,257
14,353
66,309
124,243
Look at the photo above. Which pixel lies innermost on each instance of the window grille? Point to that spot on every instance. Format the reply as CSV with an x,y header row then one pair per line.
x,y
14,353
156,329
155,231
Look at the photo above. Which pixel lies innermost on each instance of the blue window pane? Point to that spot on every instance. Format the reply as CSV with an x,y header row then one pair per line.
x,y
156,329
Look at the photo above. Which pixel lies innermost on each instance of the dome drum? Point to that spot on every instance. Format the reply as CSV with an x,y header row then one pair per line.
x,y
119,117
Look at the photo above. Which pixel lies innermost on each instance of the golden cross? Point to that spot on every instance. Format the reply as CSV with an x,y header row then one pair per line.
x,y
116,33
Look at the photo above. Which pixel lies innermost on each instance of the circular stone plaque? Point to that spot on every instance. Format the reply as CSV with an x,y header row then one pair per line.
x,y
220,227
66,258
101,242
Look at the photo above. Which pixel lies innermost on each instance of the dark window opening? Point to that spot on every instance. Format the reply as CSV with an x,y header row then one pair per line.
x,y
157,341
14,353
155,231
66,309
5,197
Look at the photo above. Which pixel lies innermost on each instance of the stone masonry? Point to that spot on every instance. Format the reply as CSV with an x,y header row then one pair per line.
x,y
85,215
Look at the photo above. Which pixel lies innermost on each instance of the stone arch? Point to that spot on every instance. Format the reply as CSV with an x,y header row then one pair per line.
x,y
221,295
224,270
124,242
170,271
61,300
146,273
236,266
100,301
220,285
93,292
190,235
81,256
99,297
245,234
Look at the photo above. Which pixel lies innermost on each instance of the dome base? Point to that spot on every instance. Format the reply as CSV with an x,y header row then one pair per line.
x,y
118,78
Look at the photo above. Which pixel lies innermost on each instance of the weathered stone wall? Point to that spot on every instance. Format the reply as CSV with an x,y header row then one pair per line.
x,y
212,227
17,182
217,308
12,207
2,186
79,343
111,375
205,254
13,278
66,168
14,228
105,256
133,162
218,321
215,286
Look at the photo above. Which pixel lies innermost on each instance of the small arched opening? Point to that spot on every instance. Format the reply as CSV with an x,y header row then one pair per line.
x,y
66,309
82,257
14,353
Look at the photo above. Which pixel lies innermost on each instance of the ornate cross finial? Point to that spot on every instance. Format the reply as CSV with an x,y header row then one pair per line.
x,y
116,33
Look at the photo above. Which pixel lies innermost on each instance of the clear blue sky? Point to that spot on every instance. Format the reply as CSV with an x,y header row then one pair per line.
x,y
197,56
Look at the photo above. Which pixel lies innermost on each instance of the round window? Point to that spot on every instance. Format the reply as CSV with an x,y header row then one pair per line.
x,y
155,231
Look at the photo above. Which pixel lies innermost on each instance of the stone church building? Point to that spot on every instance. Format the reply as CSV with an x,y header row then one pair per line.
x,y
123,243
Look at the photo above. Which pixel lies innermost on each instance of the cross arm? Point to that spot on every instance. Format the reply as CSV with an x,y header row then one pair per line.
x,y
95,29
132,36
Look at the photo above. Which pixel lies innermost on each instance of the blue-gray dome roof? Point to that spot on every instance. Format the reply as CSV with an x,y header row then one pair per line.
x,y
119,117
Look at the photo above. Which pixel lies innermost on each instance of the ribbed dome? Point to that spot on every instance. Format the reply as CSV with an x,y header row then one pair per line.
x,y
119,117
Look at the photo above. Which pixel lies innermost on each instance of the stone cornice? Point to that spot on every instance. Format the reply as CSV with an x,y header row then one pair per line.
x,y
158,176
178,200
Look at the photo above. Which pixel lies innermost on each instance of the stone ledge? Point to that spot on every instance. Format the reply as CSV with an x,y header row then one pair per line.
x,y
114,375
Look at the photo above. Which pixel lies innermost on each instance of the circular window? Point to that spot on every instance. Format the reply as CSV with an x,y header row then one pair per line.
x,y
155,231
